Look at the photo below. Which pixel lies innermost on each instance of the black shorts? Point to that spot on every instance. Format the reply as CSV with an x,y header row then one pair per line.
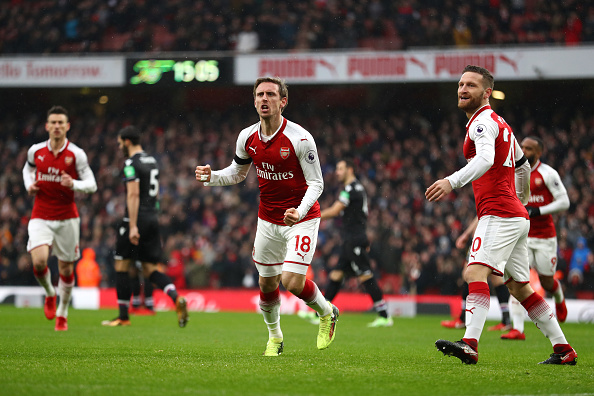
x,y
149,247
354,259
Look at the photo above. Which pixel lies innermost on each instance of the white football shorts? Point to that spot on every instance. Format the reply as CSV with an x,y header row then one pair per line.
x,y
543,255
282,248
61,235
501,244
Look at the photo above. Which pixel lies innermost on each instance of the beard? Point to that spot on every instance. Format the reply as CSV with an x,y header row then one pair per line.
x,y
125,151
470,106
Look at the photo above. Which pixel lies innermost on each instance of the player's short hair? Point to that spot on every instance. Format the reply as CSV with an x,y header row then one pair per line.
x,y
283,88
349,163
57,110
488,80
537,140
131,133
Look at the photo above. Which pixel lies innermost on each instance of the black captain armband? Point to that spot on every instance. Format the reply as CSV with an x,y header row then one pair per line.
x,y
521,161
242,161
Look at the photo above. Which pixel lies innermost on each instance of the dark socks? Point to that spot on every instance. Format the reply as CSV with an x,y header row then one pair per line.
x,y
372,288
464,295
503,296
163,282
123,293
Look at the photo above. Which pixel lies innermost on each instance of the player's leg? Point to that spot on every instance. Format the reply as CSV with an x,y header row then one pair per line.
x,y
268,255
124,257
164,282
40,239
546,266
67,251
135,287
538,310
65,285
335,279
543,317
300,242
147,293
477,307
493,243
517,313
123,293
458,323
270,303
502,293
39,256
359,265
150,252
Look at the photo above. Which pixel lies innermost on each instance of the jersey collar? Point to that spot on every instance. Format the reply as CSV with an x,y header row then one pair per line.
x,y
536,166
49,145
279,131
476,114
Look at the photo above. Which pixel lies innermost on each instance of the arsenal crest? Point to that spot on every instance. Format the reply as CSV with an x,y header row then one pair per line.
x,y
284,152
68,160
538,182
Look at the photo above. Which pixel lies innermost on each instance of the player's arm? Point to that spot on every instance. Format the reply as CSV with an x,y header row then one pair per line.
x,y
29,174
86,183
463,238
333,210
234,173
560,197
310,164
133,203
484,159
522,174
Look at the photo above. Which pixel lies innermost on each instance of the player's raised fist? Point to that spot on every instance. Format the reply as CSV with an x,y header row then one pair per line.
x,y
203,173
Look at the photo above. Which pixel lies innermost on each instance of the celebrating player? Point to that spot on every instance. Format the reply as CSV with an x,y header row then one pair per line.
x,y
499,173
54,170
547,196
139,237
290,182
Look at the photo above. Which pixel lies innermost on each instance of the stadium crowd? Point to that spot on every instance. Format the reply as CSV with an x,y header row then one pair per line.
x,y
208,232
58,26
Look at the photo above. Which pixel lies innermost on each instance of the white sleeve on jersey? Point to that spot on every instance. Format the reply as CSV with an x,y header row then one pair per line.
x,y
484,141
310,164
86,183
557,189
234,173
28,175
29,168
522,175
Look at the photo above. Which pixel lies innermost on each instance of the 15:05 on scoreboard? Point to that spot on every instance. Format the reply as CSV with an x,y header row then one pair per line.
x,y
178,71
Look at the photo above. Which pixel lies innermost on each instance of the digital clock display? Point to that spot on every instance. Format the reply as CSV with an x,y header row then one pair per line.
x,y
179,71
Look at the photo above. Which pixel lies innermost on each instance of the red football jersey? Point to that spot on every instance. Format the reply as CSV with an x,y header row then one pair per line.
x,y
495,191
283,164
54,201
544,182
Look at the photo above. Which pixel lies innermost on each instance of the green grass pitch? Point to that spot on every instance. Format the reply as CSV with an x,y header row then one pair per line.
x,y
220,354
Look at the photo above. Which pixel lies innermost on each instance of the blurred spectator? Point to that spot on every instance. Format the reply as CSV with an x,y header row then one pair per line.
x,y
88,273
42,26
582,261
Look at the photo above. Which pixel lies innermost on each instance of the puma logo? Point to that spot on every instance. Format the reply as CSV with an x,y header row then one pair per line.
x,y
470,310
266,310
41,157
301,255
253,148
